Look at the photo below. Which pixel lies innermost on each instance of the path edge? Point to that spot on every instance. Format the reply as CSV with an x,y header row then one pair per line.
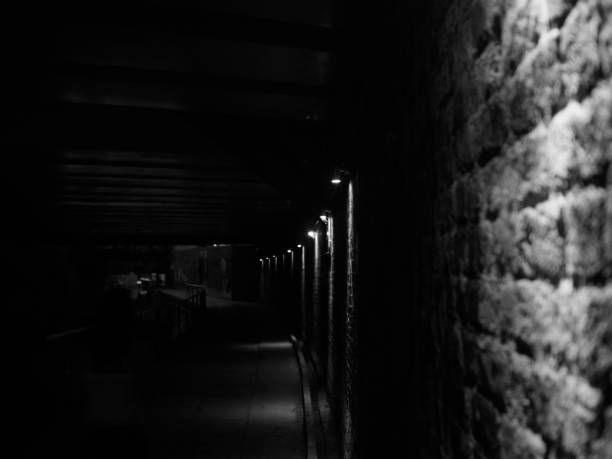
x,y
310,435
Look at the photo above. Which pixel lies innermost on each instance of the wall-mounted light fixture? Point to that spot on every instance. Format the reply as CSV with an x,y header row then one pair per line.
x,y
312,234
323,217
299,246
289,251
339,176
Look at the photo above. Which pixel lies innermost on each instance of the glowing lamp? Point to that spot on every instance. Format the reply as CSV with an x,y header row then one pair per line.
x,y
312,234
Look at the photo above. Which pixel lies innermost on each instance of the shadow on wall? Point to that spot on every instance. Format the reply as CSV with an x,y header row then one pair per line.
x,y
524,223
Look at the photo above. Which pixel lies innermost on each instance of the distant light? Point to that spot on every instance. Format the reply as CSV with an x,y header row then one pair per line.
x,y
336,180
289,251
299,246
138,282
261,259
324,218
312,234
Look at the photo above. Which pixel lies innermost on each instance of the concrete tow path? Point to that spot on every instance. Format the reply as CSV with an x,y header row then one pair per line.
x,y
230,390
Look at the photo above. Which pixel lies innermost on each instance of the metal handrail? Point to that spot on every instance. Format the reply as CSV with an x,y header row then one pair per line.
x,y
66,333
181,310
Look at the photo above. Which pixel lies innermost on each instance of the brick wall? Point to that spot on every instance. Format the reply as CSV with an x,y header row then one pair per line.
x,y
303,286
479,231
318,298
327,277
332,304
522,104
350,332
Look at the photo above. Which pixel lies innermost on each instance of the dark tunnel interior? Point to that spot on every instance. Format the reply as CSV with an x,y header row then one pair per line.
x,y
316,229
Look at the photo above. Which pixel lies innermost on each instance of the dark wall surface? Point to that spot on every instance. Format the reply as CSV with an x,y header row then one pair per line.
x,y
231,271
466,310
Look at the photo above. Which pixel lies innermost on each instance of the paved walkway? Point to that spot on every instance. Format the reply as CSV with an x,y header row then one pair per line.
x,y
230,390
241,402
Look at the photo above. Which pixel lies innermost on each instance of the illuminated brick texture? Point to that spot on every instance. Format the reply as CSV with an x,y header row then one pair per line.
x,y
523,215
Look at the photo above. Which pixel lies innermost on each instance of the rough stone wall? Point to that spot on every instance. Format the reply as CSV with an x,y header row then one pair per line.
x,y
318,299
303,293
522,102
331,364
350,331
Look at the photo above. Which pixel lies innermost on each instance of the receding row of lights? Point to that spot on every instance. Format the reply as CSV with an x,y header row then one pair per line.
x,y
336,180
312,234
299,246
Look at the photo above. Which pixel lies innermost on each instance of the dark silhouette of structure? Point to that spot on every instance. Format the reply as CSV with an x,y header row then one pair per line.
x,y
422,194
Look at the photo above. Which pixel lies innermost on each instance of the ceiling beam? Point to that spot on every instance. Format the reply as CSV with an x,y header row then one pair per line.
x,y
155,173
80,125
227,190
197,23
177,198
181,79
161,184
158,177
197,236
